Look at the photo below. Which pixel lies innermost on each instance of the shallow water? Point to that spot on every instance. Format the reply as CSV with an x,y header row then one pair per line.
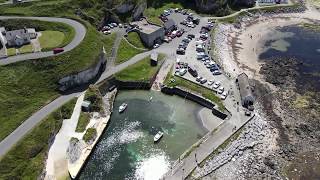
x,y
294,41
126,149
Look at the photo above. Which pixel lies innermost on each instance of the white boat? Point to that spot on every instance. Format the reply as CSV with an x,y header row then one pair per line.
x,y
158,136
122,107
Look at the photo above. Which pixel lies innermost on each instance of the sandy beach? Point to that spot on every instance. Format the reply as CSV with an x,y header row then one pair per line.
x,y
238,49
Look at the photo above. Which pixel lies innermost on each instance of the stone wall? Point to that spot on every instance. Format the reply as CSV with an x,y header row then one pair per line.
x,y
195,98
83,77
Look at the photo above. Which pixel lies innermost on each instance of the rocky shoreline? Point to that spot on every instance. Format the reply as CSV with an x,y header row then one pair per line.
x,y
288,109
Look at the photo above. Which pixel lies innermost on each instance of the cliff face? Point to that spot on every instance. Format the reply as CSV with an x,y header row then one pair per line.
x,y
221,7
209,6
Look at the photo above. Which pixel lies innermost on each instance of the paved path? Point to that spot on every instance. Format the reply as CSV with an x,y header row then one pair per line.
x,y
79,36
27,125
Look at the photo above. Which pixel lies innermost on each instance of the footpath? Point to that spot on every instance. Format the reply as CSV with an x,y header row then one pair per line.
x,y
211,142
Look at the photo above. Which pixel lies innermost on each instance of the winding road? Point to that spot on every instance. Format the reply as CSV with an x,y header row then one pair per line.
x,y
79,36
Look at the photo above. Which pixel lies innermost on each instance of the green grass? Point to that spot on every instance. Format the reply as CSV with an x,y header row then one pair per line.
x,y
108,42
11,51
94,96
84,120
29,85
51,39
134,39
26,49
209,94
140,71
52,31
126,51
26,159
90,134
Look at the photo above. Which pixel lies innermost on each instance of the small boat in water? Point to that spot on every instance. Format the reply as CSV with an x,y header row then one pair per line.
x,y
158,136
122,107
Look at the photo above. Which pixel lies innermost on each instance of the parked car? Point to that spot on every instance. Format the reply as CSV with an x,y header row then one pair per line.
x,y
181,51
203,80
198,79
192,70
247,113
216,84
167,40
210,82
224,95
191,36
57,50
182,72
156,46
107,32
220,90
216,72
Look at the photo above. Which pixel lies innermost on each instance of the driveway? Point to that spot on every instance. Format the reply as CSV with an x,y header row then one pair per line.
x,y
79,36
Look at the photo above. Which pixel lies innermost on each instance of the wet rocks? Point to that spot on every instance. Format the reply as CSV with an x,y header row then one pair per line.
x,y
280,71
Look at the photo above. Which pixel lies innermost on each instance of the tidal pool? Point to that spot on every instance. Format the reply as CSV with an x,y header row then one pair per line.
x,y
294,41
126,149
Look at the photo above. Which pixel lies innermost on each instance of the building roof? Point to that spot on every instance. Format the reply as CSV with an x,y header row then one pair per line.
x,y
244,86
20,33
154,56
145,27
86,104
169,24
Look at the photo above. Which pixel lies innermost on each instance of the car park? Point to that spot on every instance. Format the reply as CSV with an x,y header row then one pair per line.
x,y
220,90
216,84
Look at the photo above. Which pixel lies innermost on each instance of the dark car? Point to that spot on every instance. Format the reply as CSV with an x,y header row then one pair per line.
x,y
191,36
181,51
203,80
192,70
179,34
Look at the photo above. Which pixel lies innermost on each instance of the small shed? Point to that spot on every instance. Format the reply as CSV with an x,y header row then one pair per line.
x,y
85,106
247,98
154,58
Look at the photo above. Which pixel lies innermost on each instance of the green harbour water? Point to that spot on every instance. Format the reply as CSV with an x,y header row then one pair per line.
x,y
126,149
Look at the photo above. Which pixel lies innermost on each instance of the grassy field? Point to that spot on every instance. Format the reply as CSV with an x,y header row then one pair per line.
x,y
26,160
51,39
126,51
84,120
141,71
29,85
26,49
209,94
134,39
